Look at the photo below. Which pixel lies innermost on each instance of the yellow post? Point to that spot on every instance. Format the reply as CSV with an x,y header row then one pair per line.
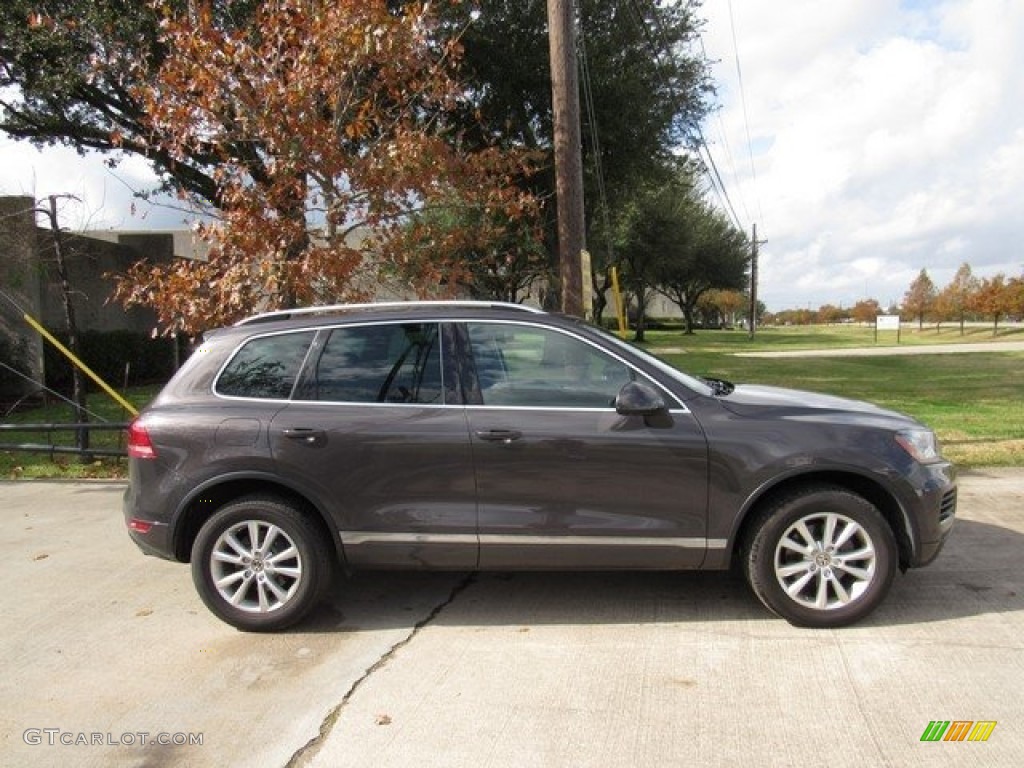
x,y
620,309
88,371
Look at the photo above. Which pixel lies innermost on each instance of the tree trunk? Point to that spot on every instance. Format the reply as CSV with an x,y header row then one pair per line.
x,y
688,318
600,297
78,393
641,315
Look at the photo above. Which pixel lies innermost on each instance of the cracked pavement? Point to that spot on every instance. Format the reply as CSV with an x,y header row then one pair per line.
x,y
526,669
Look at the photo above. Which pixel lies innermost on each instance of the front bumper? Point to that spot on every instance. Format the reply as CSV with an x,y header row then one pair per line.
x,y
938,499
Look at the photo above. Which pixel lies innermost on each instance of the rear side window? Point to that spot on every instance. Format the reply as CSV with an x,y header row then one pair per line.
x,y
396,363
265,367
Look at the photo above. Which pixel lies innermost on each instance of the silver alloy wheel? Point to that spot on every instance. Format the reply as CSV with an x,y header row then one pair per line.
x,y
255,566
825,561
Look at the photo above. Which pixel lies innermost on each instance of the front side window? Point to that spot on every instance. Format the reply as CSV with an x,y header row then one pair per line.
x,y
529,366
265,367
396,363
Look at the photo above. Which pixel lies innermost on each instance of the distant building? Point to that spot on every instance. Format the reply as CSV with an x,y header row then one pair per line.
x,y
28,276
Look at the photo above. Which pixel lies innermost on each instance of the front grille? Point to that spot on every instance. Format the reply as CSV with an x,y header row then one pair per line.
x,y
947,509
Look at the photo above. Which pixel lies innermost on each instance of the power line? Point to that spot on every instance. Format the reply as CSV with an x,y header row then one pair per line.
x,y
707,160
746,120
588,98
724,141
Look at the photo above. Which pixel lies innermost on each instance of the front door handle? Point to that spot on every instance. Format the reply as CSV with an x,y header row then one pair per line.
x,y
505,436
306,435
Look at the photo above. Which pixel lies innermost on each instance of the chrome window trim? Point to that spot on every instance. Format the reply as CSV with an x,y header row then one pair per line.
x,y
434,406
317,330
567,332
238,348
679,406
566,409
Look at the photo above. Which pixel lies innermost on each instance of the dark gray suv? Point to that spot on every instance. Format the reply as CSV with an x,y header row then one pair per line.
x,y
470,435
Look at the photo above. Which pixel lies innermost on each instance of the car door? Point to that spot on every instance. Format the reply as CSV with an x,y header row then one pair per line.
x,y
563,480
370,426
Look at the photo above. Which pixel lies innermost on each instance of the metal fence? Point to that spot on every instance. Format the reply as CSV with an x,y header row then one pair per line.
x,y
53,448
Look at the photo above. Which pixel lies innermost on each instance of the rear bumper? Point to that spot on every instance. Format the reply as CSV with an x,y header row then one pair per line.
x,y
157,540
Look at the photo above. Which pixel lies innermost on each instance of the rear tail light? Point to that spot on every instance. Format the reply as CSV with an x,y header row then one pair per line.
x,y
139,444
140,526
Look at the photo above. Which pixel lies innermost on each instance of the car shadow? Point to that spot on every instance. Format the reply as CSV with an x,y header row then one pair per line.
x,y
977,573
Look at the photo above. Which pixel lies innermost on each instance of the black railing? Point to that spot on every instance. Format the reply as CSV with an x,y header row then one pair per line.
x,y
54,448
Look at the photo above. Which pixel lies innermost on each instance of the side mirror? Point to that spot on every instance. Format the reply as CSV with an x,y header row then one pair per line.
x,y
639,399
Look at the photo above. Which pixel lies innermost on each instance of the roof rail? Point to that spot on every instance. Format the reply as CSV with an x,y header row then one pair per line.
x,y
283,314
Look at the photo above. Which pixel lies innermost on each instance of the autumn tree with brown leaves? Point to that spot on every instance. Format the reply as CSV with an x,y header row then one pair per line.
x,y
956,299
331,122
919,299
994,298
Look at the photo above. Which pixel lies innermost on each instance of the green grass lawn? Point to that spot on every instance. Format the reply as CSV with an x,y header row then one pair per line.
x,y
974,401
23,465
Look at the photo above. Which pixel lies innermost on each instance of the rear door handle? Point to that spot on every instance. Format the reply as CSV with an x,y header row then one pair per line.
x,y
505,436
306,435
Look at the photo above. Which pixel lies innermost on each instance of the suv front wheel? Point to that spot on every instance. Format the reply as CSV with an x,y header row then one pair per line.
x,y
821,557
260,564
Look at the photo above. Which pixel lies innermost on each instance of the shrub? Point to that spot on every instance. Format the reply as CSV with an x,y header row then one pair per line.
x,y
107,353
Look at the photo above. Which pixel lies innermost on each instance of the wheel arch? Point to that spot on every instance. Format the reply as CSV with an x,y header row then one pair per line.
x,y
870,489
212,495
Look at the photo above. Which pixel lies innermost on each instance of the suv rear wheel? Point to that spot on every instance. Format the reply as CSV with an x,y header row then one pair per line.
x,y
821,557
260,564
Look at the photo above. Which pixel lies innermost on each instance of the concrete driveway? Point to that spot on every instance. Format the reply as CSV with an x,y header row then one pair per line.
x,y
107,653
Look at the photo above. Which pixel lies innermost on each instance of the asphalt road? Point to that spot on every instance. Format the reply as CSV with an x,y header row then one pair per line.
x,y
104,649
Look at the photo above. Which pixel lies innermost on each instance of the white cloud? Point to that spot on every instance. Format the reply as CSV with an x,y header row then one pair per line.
x,y
105,196
889,138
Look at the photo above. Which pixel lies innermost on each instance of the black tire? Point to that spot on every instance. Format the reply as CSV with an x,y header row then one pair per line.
x,y
260,564
820,557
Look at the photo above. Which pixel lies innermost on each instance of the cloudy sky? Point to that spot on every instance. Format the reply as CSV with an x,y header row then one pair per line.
x,y
886,137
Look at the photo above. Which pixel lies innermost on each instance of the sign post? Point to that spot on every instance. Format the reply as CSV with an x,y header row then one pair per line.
x,y
887,323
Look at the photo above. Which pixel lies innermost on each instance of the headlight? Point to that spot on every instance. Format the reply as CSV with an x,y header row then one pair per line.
x,y
919,443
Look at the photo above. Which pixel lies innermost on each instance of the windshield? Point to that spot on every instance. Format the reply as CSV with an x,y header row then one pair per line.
x,y
692,382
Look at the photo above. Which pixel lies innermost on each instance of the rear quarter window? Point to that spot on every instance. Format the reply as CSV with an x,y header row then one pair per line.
x,y
265,367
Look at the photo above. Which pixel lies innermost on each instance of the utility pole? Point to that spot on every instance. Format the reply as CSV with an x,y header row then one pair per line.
x,y
565,95
753,281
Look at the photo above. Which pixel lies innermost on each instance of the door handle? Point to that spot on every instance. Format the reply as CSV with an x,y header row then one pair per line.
x,y
306,435
505,436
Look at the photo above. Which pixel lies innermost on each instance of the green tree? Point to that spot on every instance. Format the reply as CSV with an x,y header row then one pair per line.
x,y
919,299
646,88
487,254
703,252
70,71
